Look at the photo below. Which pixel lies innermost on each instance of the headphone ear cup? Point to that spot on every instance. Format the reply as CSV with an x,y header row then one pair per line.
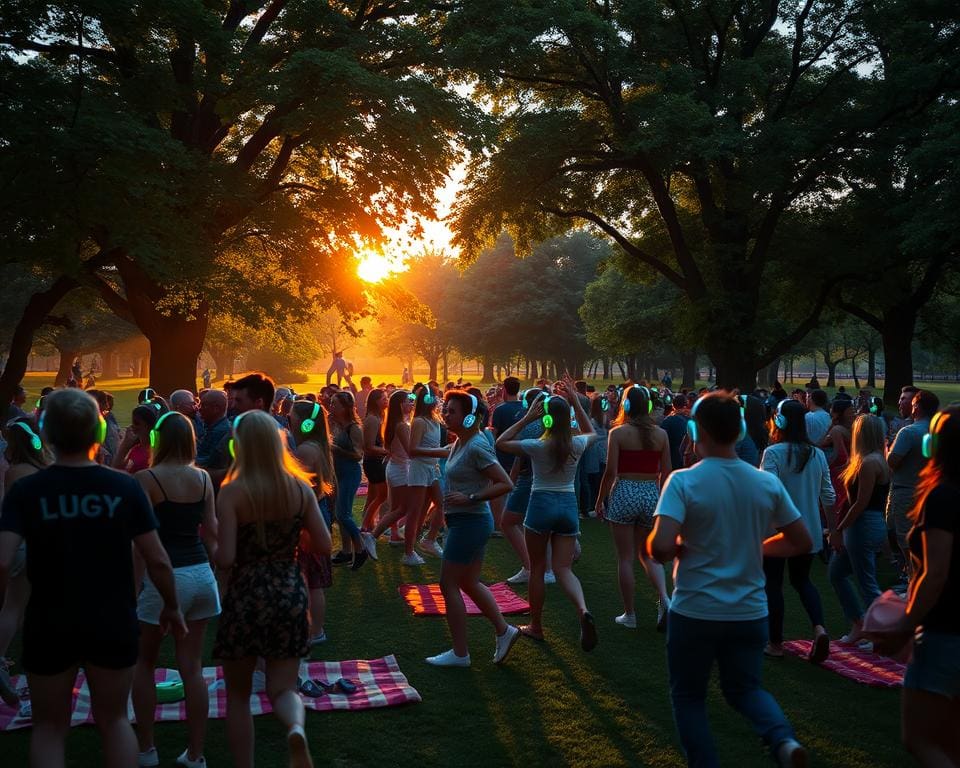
x,y
743,429
927,446
153,438
692,431
307,425
626,405
649,406
102,431
469,420
547,421
231,447
780,421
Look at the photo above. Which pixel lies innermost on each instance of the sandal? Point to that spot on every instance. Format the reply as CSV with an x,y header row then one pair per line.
x,y
526,631
819,649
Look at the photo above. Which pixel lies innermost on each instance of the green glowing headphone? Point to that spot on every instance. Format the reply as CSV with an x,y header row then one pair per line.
x,y
471,418
232,445
779,420
546,419
604,403
307,425
155,432
101,435
638,387
929,445
35,442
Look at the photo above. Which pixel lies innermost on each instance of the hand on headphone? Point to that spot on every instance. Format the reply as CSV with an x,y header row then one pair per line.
x,y
567,388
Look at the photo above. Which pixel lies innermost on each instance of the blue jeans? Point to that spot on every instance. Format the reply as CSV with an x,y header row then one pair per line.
x,y
861,543
737,647
348,482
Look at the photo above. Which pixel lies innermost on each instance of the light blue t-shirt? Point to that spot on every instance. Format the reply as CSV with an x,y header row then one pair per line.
x,y
725,508
908,444
808,488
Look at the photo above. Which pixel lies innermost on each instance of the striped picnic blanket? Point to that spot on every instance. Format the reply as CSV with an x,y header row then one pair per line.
x,y
427,600
849,661
380,683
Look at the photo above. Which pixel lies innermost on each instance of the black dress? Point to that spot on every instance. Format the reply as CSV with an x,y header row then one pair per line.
x,y
265,609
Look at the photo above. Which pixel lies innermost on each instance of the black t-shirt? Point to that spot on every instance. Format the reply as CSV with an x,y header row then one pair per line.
x,y
504,417
675,425
78,523
941,510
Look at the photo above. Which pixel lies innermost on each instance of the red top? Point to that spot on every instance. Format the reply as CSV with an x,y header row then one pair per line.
x,y
638,462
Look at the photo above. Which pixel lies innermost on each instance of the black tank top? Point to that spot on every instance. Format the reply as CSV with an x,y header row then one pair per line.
x,y
878,499
179,527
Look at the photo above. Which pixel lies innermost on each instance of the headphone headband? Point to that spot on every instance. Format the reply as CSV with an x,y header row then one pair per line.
x,y
471,418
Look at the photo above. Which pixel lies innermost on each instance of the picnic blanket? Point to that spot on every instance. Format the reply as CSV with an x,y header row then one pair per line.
x,y
860,666
427,600
380,683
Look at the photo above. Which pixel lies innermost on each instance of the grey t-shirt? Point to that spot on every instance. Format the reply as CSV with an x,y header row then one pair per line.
x,y
909,446
464,474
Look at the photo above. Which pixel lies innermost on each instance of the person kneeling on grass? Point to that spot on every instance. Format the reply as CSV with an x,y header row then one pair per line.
x,y
78,520
713,518
474,476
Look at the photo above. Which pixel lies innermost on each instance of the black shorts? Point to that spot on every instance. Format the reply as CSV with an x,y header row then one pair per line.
x,y
51,648
375,470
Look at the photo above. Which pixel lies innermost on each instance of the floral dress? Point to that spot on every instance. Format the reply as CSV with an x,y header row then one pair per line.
x,y
265,609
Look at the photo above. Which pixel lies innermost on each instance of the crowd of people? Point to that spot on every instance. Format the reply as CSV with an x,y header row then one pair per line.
x,y
229,496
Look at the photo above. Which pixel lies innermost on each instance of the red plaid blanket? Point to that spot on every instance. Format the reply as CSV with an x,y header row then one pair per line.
x,y
861,666
427,600
380,683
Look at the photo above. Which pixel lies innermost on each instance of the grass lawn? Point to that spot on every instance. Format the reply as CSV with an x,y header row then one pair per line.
x,y
549,704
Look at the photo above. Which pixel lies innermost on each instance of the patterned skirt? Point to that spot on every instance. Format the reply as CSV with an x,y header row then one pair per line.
x,y
632,502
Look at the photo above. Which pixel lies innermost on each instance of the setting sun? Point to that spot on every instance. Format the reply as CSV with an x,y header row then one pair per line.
x,y
373,267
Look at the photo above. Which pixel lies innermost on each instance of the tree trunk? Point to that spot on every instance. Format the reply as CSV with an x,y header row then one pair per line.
x,y
445,362
853,371
831,372
174,351
34,315
736,368
897,338
487,368
65,370
433,363
688,363
770,374
872,368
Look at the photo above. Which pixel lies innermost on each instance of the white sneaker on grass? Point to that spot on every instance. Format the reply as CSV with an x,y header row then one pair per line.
x,y
449,659
791,754
504,643
185,761
549,578
520,577
430,547
412,559
628,620
369,544
148,759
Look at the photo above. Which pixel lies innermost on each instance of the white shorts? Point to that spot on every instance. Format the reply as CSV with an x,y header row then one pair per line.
x,y
196,592
421,474
396,473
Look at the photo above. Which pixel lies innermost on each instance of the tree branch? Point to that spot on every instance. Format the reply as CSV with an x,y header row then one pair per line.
x,y
59,48
624,242
263,24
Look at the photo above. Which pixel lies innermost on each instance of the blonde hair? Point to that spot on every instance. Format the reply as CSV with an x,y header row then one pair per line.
x,y
263,467
868,437
176,441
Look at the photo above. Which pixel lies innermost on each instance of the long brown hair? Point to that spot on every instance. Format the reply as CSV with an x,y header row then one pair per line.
x,y
320,436
944,466
559,436
638,416
867,438
394,416
176,441
263,467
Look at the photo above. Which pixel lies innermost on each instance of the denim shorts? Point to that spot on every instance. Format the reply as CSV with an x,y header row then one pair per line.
x,y
553,512
519,497
467,537
935,665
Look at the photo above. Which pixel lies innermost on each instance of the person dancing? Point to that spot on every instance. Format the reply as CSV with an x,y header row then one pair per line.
x,y
265,502
423,479
552,514
473,477
374,456
182,498
638,463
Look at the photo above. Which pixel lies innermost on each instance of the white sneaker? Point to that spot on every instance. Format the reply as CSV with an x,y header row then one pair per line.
x,y
505,643
148,759
628,620
259,681
520,577
430,547
592,513
549,578
369,544
449,659
792,754
185,761
297,744
412,559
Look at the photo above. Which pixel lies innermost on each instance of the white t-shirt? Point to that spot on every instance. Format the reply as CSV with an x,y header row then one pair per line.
x,y
545,478
725,508
808,489
818,422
